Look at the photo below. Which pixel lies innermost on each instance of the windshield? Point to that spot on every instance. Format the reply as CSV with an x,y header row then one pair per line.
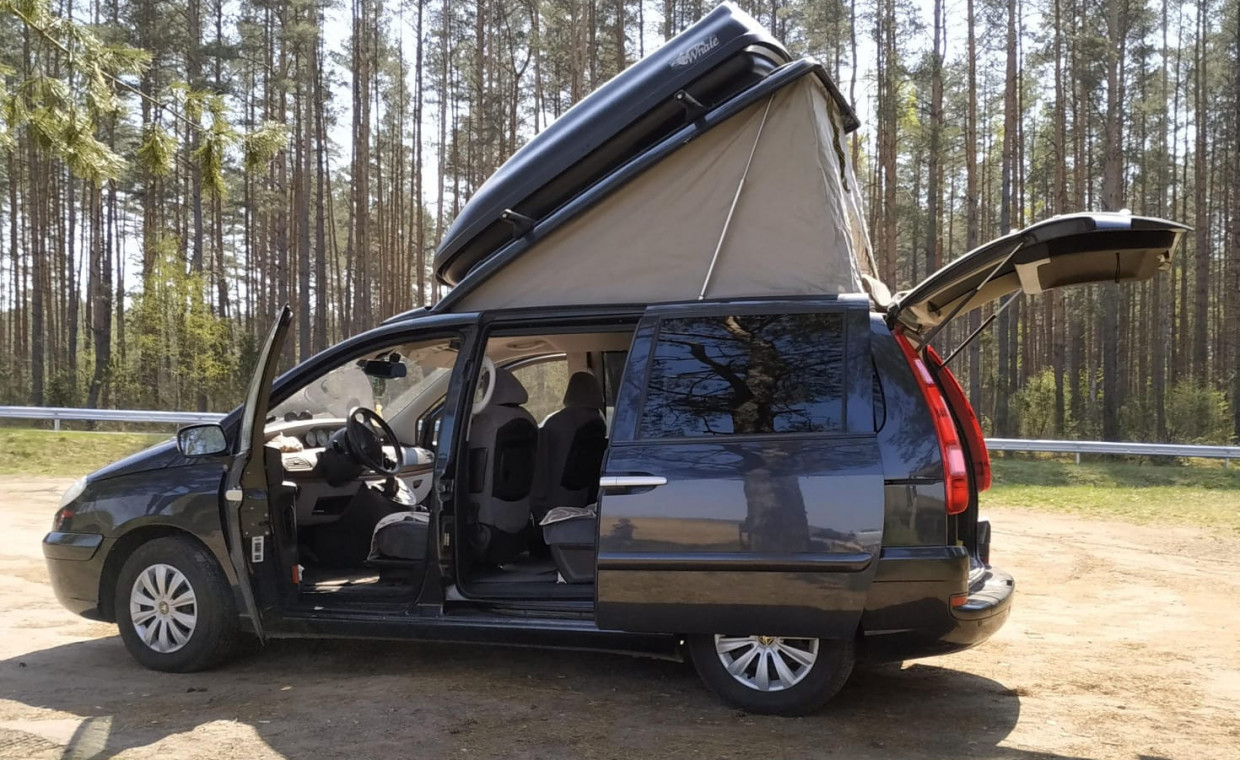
x,y
357,383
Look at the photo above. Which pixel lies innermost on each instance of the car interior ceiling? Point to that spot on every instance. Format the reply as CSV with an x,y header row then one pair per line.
x,y
362,533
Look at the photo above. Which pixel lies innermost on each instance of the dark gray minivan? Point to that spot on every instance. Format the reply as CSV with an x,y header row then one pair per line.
x,y
771,474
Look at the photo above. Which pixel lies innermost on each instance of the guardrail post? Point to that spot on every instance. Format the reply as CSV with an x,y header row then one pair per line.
x,y
1078,457
56,424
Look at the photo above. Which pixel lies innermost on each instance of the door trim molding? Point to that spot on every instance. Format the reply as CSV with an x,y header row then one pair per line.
x,y
732,561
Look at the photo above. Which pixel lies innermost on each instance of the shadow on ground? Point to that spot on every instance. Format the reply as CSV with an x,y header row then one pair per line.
x,y
384,700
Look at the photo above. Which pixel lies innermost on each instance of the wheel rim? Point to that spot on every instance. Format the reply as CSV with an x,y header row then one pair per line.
x,y
767,663
163,608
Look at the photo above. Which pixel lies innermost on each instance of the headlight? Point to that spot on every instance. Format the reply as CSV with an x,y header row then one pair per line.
x,y
72,492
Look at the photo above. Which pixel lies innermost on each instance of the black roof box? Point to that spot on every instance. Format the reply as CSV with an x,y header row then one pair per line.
x,y
703,66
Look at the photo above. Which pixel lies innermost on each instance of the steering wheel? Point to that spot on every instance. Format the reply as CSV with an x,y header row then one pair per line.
x,y
367,434
488,372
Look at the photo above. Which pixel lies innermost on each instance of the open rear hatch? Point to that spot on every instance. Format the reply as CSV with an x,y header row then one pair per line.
x,y
1075,249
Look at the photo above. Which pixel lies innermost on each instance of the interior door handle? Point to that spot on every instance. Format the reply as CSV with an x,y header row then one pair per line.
x,y
631,481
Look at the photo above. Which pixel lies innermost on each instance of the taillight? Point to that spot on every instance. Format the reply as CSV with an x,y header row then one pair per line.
x,y
955,471
972,427
63,515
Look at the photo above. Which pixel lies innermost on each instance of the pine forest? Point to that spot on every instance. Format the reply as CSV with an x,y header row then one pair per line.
x,y
172,172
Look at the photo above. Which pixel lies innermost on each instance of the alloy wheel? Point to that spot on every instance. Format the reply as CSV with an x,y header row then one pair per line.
x,y
163,608
767,663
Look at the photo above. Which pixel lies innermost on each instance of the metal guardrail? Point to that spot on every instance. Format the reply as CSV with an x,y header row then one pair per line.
x,y
58,413
1226,453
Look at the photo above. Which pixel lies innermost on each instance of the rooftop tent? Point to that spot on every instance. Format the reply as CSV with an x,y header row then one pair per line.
x,y
703,66
763,204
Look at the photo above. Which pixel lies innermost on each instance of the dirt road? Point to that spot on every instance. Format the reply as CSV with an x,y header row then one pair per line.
x,y
1124,643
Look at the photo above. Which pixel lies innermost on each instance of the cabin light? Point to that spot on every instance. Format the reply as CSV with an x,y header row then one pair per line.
x,y
525,345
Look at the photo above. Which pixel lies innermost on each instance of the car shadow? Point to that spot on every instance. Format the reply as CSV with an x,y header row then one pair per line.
x,y
387,699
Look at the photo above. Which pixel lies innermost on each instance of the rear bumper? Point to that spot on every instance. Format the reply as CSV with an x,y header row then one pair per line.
x,y
909,613
74,566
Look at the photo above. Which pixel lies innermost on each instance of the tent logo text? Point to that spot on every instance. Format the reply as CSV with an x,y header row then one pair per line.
x,y
696,51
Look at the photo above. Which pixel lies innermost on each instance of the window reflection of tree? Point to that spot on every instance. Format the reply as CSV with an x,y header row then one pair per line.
x,y
752,375
747,375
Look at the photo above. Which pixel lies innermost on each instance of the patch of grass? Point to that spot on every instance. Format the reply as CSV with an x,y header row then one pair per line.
x,y
68,454
1200,493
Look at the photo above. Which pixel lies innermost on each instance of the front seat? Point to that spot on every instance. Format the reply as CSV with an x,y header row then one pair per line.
x,y
503,438
571,445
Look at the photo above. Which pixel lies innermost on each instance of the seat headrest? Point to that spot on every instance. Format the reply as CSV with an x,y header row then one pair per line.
x,y
508,389
583,391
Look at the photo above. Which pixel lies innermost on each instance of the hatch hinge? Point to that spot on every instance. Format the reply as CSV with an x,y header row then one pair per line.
x,y
521,223
693,107
964,301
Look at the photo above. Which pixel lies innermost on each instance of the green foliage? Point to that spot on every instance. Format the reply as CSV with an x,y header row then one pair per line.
x,y
157,150
1197,415
63,110
1033,406
182,355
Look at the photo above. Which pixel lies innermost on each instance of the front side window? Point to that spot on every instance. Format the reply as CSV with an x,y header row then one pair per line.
x,y
387,382
747,374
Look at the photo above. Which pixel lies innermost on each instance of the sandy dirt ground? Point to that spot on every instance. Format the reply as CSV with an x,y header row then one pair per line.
x,y
1124,642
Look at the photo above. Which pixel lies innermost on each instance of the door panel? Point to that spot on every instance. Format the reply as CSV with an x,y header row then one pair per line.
x,y
247,508
749,534
776,537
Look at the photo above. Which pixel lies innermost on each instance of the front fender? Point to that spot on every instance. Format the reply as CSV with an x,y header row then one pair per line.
x,y
185,498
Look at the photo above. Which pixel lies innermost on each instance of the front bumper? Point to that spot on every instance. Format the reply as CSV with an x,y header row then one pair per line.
x,y
909,614
74,565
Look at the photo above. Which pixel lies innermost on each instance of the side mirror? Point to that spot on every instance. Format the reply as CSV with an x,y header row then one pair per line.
x,y
201,440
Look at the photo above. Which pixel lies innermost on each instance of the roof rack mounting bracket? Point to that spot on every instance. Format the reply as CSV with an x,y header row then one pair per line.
x,y
693,108
521,223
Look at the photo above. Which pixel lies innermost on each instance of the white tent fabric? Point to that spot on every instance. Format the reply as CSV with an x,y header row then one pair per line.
x,y
689,227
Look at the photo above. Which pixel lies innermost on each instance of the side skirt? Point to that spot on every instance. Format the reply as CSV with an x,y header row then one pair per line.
x,y
479,628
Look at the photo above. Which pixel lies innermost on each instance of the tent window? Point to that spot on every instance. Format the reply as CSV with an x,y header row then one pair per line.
x,y
749,374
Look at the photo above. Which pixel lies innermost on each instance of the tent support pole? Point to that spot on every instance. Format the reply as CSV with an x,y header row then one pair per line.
x,y
723,234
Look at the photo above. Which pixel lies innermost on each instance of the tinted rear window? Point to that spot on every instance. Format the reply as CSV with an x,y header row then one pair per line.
x,y
749,374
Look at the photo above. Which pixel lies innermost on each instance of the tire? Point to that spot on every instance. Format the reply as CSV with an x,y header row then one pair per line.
x,y
793,689
172,593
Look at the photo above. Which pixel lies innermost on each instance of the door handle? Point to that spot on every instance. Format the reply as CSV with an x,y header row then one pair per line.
x,y
631,481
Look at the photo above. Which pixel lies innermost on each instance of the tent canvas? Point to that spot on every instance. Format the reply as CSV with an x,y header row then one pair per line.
x,y
764,204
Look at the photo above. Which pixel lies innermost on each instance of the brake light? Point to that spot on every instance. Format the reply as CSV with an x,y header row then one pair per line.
x,y
972,427
63,515
955,471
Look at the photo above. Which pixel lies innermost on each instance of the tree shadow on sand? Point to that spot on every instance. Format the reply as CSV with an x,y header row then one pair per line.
x,y
385,700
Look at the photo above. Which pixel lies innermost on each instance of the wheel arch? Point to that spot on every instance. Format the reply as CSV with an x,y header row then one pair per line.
x,y
123,549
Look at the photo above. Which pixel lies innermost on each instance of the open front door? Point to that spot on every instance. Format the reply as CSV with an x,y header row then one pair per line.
x,y
1075,249
246,509
743,489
